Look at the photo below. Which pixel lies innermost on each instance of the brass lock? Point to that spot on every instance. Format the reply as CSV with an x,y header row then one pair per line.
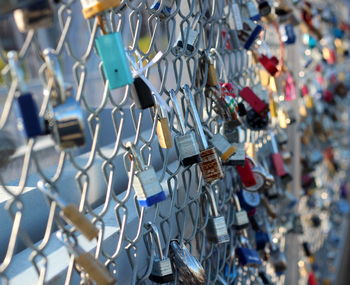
x,y
163,131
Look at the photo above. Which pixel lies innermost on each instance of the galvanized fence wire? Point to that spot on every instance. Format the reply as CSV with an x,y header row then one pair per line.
x,y
182,215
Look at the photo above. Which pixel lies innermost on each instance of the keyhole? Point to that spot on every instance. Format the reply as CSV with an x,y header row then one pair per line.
x,y
115,70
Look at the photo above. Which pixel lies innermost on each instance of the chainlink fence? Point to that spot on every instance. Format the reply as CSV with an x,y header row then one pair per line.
x,y
37,245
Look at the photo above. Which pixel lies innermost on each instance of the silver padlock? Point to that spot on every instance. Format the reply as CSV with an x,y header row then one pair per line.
x,y
66,118
216,228
162,270
222,146
191,37
145,183
186,144
189,269
7,148
241,220
259,175
232,135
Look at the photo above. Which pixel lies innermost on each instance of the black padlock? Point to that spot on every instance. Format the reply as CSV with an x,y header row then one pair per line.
x,y
255,121
142,94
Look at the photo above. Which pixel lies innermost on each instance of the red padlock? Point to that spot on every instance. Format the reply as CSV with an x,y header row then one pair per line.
x,y
277,159
311,279
254,101
246,174
270,64
304,90
328,96
290,90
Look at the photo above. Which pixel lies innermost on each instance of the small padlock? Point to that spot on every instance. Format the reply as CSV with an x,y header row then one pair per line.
x,y
210,164
34,16
223,147
191,37
270,64
7,148
216,228
115,65
246,174
253,11
89,264
66,119
162,270
247,256
232,135
70,213
237,16
241,220
93,8
264,8
142,94
167,7
29,113
189,269
163,130
186,143
262,239
278,260
212,79
259,174
249,34
249,200
145,183
277,160
254,101
288,34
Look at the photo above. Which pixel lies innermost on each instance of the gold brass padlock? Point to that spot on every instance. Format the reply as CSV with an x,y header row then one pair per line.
x,y
93,8
264,77
70,212
309,101
212,79
273,107
163,130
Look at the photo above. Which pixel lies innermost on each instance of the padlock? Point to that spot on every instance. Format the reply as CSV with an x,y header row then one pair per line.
x,y
231,132
212,79
249,34
241,220
65,120
288,34
247,256
145,183
189,269
34,16
278,260
186,143
163,130
210,164
162,270
29,113
92,8
254,101
249,200
264,8
262,239
141,94
115,65
70,212
7,148
259,174
191,37
253,11
270,64
246,174
223,147
277,160
167,8
216,228
89,264
237,16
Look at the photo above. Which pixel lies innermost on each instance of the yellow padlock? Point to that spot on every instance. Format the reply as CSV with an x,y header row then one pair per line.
x,y
264,77
164,134
309,101
93,8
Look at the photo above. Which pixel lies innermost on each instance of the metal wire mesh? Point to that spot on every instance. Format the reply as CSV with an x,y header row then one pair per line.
x,y
96,176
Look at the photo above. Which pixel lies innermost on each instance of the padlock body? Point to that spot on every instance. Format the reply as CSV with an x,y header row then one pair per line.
x,y
187,149
93,8
29,115
249,33
115,65
68,129
278,164
189,45
141,94
147,187
261,240
253,100
246,174
163,132
212,78
248,257
162,271
210,165
241,220
217,230
34,16
222,146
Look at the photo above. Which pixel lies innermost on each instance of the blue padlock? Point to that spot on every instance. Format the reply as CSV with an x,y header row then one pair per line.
x,y
261,240
248,257
248,200
115,64
288,34
249,34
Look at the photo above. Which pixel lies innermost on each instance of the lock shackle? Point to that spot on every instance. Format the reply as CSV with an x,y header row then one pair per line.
x,y
212,201
136,156
47,191
214,51
103,23
55,72
155,237
236,202
16,70
178,111
195,115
